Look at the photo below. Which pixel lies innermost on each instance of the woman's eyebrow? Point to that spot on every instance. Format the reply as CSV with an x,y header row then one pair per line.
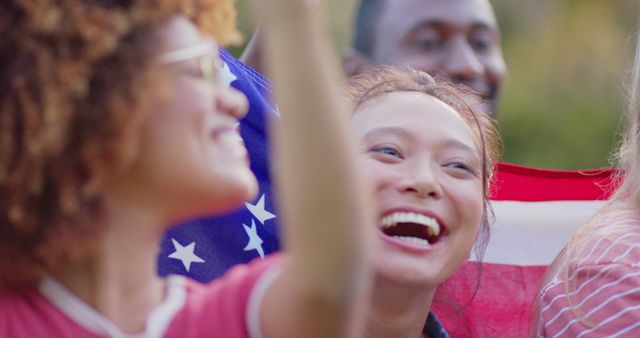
x,y
396,131
462,146
455,143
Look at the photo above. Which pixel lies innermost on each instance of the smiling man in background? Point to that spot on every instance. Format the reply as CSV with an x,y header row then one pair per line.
x,y
456,40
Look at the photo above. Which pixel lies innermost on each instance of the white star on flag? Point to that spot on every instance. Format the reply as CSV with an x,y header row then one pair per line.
x,y
259,212
226,76
185,254
255,242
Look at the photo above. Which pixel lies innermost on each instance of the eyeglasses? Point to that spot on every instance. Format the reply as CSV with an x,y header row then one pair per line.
x,y
205,54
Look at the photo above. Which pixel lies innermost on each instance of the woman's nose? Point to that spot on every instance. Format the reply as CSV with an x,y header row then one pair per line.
x,y
231,102
423,183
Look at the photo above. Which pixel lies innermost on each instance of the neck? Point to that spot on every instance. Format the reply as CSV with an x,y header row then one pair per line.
x,y
397,310
119,279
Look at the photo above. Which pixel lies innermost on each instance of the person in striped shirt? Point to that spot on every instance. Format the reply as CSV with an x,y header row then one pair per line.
x,y
593,287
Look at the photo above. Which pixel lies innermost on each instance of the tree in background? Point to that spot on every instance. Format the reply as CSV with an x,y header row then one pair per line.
x,y
567,66
567,61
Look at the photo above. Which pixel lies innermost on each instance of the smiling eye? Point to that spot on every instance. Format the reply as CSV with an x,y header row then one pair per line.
x,y
429,45
204,69
461,166
426,40
480,43
387,151
190,71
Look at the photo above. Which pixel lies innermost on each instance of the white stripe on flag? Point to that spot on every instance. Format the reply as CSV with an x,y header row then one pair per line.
x,y
532,233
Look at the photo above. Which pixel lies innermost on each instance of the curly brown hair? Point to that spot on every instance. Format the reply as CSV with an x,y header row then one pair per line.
x,y
75,82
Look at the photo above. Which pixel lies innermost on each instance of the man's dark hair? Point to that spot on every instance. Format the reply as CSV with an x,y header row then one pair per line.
x,y
367,15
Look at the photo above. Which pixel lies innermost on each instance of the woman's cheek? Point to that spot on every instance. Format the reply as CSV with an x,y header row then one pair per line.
x,y
380,174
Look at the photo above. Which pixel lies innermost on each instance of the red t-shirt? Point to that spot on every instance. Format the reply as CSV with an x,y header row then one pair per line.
x,y
227,307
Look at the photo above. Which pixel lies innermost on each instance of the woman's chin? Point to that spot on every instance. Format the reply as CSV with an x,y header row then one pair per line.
x,y
252,188
236,199
236,191
407,272
214,200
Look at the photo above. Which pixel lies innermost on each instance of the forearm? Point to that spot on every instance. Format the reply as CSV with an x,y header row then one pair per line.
x,y
252,54
324,205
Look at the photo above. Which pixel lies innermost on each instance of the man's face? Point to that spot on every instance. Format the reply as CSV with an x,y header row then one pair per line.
x,y
455,40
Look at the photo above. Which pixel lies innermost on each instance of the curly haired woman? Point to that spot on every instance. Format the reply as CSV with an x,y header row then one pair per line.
x,y
113,125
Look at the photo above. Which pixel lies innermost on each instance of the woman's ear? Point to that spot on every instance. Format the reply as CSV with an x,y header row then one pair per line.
x,y
355,63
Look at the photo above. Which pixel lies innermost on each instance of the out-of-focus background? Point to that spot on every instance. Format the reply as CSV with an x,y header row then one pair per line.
x,y
568,63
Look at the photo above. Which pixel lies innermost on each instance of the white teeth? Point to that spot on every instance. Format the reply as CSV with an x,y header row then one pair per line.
x,y
412,240
433,228
231,137
233,140
431,232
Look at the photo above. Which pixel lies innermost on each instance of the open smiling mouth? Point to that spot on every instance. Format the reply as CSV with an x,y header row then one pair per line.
x,y
412,228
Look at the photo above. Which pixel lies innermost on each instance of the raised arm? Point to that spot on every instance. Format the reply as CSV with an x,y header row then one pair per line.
x,y
324,205
252,55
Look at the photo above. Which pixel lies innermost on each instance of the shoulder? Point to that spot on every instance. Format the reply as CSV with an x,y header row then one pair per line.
x,y
224,307
26,313
609,245
613,238
16,308
597,288
599,299
5,304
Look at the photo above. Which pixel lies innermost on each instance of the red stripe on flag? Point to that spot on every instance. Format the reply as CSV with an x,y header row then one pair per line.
x,y
518,183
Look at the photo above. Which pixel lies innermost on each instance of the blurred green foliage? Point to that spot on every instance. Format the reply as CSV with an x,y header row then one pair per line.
x,y
568,61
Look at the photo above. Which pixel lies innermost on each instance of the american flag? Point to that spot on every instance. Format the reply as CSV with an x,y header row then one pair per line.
x,y
205,248
536,212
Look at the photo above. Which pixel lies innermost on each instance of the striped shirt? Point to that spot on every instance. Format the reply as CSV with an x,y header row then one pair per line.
x,y
601,297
